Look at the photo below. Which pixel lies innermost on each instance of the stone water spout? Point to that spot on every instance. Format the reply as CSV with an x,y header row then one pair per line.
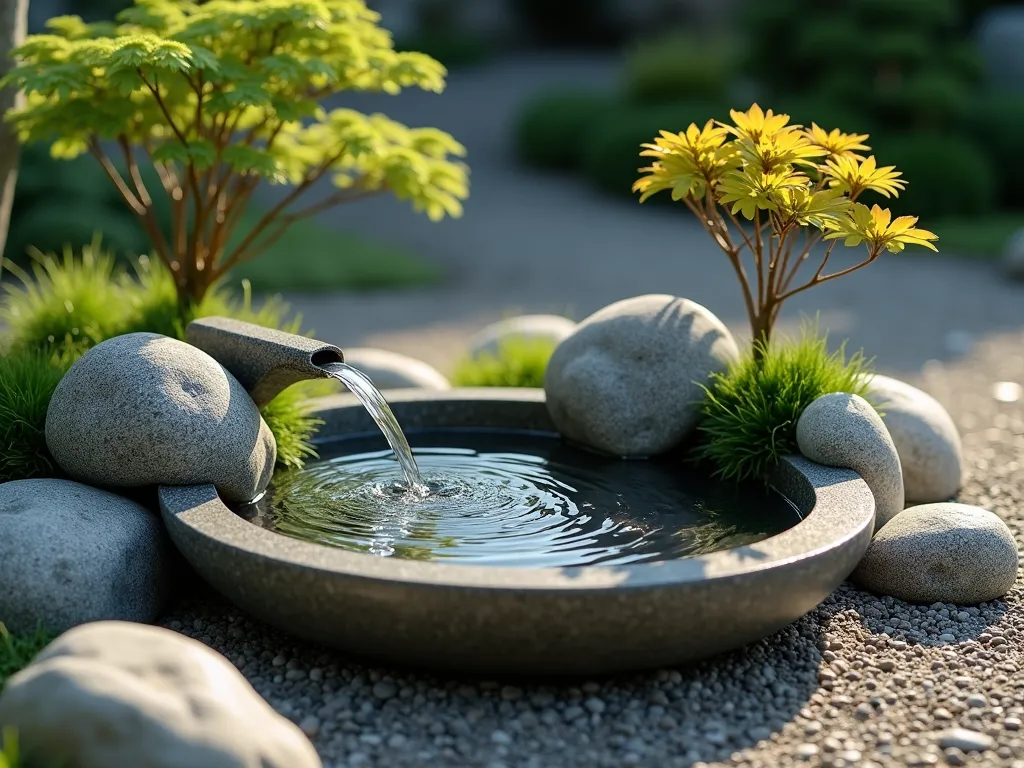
x,y
263,360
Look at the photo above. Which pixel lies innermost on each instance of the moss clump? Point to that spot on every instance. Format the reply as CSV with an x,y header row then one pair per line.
x,y
16,651
519,362
751,411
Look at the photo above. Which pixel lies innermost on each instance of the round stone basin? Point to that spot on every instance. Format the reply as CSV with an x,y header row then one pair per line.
x,y
462,613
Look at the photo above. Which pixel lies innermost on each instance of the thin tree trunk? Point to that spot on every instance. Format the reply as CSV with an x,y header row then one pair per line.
x,y
13,26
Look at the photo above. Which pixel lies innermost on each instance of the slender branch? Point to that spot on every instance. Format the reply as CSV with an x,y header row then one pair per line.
x,y
820,278
721,236
155,90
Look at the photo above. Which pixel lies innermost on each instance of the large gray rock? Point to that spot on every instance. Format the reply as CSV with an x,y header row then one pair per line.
x,y
628,380
530,328
843,430
71,554
941,553
925,436
390,370
143,409
119,694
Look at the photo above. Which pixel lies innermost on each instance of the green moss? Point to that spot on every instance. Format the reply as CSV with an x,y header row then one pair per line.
x,y
16,651
751,411
518,363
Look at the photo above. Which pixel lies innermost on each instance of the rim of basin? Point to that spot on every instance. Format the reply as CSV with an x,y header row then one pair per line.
x,y
836,507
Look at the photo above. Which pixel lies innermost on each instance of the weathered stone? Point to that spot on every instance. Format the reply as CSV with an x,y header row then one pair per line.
x,y
390,370
70,554
114,693
941,553
628,380
925,436
143,409
843,430
541,328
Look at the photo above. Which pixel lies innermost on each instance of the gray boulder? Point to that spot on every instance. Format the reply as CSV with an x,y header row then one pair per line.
x,y
551,328
925,436
390,370
843,430
70,554
941,553
143,409
119,694
1013,255
628,380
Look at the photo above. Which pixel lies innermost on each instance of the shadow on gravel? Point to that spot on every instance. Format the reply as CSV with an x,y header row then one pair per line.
x,y
932,626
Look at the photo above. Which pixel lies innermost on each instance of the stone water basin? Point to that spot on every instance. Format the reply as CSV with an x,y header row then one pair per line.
x,y
499,619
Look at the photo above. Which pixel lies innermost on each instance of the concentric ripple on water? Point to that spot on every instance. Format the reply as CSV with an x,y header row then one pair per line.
x,y
514,499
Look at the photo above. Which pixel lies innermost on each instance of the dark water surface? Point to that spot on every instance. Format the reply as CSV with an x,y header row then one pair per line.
x,y
514,499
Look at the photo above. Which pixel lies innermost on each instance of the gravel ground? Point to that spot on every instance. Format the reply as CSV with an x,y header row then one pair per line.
x,y
862,681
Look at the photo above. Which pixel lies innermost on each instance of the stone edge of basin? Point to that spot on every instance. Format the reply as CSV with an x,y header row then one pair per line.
x,y
265,361
836,505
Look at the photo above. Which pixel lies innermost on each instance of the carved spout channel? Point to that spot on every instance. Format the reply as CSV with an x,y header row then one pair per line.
x,y
263,360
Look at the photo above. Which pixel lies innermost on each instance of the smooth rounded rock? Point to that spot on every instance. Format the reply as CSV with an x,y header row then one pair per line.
x,y
118,694
925,436
628,380
143,409
843,430
941,553
70,554
390,370
550,328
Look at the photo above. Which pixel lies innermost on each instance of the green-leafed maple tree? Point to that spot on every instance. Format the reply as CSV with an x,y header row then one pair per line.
x,y
218,96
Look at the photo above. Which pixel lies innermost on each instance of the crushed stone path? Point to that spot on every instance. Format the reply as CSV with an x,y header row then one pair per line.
x,y
862,681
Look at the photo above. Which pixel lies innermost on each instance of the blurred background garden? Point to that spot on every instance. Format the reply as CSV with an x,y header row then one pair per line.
x,y
552,101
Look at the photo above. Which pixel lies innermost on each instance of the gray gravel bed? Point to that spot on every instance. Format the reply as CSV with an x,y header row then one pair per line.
x,y
862,681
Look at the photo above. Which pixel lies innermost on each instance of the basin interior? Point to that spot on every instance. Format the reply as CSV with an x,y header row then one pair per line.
x,y
506,497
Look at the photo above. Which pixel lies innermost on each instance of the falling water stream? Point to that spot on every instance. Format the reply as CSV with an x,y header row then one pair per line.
x,y
360,385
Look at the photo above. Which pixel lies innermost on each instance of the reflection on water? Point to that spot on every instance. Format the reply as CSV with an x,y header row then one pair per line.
x,y
514,499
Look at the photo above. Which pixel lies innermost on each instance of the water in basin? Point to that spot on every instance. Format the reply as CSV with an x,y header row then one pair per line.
x,y
513,499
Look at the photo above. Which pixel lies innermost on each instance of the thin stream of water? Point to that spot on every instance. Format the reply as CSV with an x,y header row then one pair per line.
x,y
360,385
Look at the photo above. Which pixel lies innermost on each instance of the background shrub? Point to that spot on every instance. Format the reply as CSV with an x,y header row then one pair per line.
x,y
680,66
550,129
997,121
751,410
518,363
946,175
612,149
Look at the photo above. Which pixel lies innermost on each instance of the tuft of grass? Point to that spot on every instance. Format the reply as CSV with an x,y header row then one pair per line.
x,y
289,417
17,651
65,302
28,378
519,362
10,755
751,411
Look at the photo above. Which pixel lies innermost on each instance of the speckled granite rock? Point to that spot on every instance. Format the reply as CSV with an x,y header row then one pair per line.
x,y
71,554
946,553
390,370
925,436
843,430
627,381
118,694
143,409
552,328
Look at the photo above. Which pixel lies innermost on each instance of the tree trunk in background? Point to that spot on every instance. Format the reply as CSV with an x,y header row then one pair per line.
x,y
13,25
